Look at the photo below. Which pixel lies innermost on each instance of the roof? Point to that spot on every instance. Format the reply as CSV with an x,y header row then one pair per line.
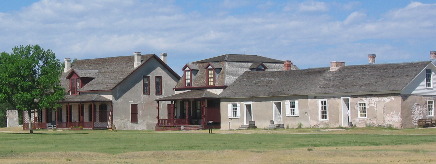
x,y
85,98
193,94
240,58
358,79
107,72
227,67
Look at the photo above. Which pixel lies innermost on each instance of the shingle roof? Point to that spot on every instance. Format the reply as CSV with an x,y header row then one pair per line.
x,y
107,72
84,98
239,58
193,94
358,79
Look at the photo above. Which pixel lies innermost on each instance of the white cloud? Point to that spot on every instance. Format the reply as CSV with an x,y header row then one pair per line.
x,y
311,6
89,29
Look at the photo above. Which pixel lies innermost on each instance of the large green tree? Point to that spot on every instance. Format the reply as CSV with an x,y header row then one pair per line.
x,y
29,79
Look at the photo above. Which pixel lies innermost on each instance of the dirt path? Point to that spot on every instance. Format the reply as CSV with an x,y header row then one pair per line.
x,y
366,154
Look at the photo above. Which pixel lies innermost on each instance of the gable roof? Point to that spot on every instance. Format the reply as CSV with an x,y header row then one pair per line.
x,y
108,72
358,79
239,58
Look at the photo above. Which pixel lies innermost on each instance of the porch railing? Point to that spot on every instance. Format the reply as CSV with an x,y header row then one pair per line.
x,y
172,122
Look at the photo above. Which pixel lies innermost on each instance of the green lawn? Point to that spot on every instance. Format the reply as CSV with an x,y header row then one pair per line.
x,y
103,141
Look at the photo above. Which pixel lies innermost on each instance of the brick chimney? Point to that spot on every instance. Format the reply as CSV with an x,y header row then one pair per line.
x,y
287,66
163,57
335,65
371,58
432,55
67,65
137,59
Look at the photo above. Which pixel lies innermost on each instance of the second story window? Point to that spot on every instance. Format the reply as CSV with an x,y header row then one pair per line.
x,y
74,86
428,78
210,76
158,85
146,85
188,79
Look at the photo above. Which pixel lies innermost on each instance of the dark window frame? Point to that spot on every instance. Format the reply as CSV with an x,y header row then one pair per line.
x,y
134,113
158,85
146,85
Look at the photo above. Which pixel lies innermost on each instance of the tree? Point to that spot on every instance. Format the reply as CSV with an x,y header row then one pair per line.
x,y
29,79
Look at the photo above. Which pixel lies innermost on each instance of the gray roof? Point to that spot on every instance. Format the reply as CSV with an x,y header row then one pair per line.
x,y
228,68
193,94
84,98
240,58
106,72
358,79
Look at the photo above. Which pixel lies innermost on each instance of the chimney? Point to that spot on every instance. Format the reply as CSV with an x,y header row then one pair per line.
x,y
137,59
335,65
287,66
67,66
163,57
371,58
432,55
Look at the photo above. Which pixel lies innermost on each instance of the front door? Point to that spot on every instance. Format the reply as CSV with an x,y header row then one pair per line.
x,y
248,114
277,112
345,111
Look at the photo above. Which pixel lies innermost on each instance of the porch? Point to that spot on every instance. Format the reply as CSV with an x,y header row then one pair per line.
x,y
72,115
198,109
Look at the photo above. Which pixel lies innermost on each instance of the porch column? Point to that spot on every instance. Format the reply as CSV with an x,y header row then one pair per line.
x,y
187,112
112,117
93,115
203,113
157,117
56,117
68,114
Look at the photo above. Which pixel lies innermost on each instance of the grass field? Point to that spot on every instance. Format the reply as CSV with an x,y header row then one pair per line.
x,y
356,145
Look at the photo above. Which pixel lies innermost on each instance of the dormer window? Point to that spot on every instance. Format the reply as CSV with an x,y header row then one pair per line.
x,y
188,77
260,68
428,78
74,86
210,76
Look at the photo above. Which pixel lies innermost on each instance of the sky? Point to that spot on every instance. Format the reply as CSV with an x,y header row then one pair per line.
x,y
310,33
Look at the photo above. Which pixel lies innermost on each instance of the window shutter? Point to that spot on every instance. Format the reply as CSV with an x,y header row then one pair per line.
x,y
238,113
297,111
288,107
229,110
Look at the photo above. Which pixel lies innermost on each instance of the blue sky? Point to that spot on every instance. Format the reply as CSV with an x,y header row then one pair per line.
x,y
309,33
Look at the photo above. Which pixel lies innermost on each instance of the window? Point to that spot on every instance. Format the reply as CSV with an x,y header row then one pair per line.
x,y
188,78
102,113
428,78
146,85
134,113
430,107
210,76
90,115
234,110
74,86
362,110
323,109
158,81
292,108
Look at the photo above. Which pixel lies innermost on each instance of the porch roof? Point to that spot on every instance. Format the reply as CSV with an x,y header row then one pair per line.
x,y
85,98
193,94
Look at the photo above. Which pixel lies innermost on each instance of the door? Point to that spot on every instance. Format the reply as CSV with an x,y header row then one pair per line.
x,y
345,111
248,114
170,108
277,112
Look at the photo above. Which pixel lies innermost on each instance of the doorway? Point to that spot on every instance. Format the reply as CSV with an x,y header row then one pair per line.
x,y
277,112
248,113
345,111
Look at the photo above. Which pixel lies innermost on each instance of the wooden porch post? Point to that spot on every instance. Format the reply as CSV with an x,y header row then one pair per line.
x,y
93,115
203,113
112,117
56,117
187,112
157,117
68,114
